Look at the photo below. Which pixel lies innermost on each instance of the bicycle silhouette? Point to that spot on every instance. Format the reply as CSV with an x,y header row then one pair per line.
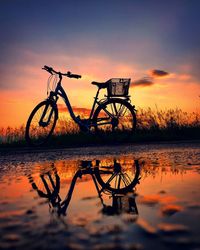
x,y
113,113
112,180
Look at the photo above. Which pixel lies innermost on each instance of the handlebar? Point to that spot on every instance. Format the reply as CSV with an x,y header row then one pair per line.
x,y
68,74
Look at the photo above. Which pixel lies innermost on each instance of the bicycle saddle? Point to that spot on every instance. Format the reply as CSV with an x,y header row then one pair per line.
x,y
101,85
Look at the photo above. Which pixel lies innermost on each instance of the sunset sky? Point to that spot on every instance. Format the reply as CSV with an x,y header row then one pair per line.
x,y
155,43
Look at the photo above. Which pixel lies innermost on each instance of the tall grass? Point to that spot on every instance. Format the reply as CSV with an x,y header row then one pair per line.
x,y
10,135
148,119
151,125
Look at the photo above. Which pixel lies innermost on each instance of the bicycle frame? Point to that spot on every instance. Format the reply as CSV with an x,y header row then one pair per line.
x,y
59,91
84,124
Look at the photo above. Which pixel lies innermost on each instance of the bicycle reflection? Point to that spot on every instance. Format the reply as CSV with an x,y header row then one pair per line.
x,y
121,203
114,181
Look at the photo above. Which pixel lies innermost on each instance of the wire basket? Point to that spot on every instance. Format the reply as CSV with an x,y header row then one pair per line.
x,y
118,86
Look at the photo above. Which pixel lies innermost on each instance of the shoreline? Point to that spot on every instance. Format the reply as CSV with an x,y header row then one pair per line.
x,y
50,148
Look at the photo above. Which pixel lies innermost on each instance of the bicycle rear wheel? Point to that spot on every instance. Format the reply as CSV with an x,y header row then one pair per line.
x,y
115,115
118,179
41,123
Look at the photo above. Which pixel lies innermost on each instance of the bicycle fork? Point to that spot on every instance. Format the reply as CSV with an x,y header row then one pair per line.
x,y
51,102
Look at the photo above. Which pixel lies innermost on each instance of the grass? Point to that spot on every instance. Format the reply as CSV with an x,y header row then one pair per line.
x,y
152,126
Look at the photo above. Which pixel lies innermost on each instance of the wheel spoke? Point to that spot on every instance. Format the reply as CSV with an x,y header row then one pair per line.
x,y
115,109
127,176
123,111
125,180
108,113
119,182
120,110
111,178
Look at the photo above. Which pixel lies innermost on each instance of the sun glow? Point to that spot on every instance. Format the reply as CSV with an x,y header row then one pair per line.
x,y
29,87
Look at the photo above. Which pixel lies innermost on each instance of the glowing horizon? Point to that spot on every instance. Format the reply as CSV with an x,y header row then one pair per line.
x,y
157,49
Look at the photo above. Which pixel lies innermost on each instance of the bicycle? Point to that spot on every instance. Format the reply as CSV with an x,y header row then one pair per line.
x,y
112,180
113,113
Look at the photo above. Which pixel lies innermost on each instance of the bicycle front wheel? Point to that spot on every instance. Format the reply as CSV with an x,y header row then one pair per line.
x,y
41,123
115,115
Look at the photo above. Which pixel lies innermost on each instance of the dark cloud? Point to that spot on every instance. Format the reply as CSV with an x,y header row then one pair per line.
x,y
158,73
143,82
149,80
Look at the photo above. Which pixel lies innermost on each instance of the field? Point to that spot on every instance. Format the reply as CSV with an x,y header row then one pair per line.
x,y
152,125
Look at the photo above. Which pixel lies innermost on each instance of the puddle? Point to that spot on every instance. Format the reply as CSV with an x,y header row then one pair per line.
x,y
161,212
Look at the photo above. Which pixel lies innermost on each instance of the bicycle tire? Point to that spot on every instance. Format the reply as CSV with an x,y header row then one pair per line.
x,y
35,134
106,111
46,184
106,185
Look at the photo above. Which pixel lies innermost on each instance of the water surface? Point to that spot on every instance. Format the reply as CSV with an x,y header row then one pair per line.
x,y
165,214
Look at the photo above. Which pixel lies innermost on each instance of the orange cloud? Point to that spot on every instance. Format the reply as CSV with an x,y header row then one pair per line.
x,y
84,111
